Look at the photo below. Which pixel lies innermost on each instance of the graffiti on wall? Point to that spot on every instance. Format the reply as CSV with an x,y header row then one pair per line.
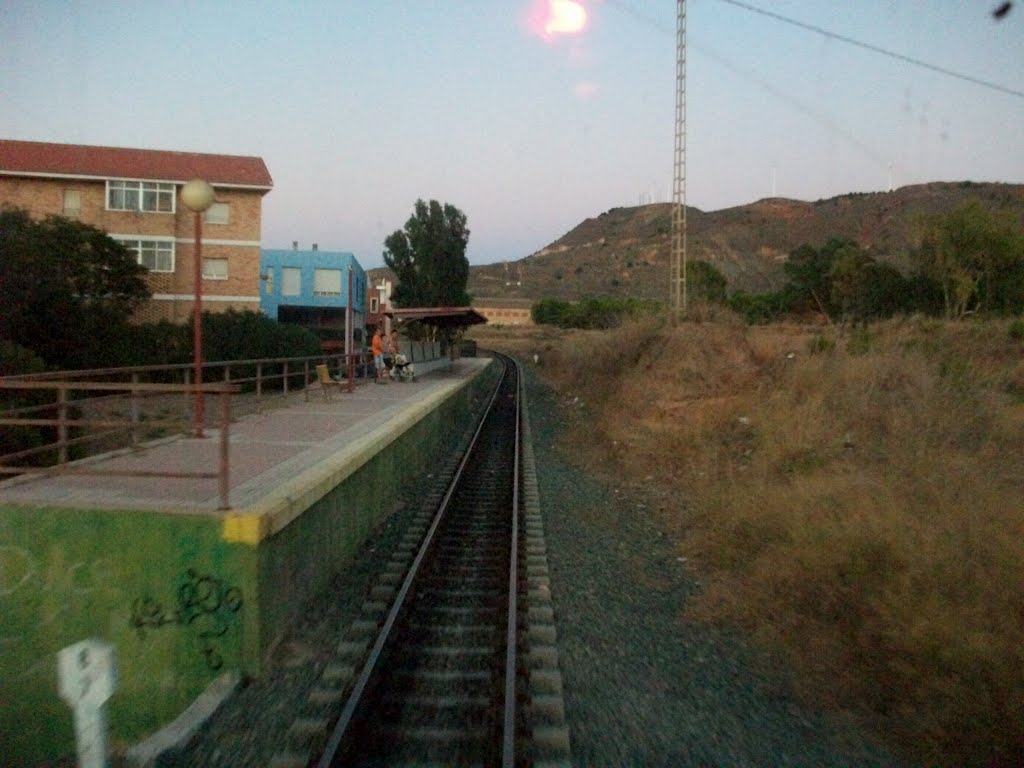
x,y
204,602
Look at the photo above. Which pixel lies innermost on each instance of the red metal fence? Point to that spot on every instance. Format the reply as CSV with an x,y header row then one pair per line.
x,y
52,420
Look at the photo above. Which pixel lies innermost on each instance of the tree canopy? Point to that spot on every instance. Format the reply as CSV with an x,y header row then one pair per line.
x,y
69,289
428,257
863,288
808,271
976,256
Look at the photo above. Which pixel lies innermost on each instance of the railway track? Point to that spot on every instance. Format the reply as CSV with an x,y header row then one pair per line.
x,y
453,662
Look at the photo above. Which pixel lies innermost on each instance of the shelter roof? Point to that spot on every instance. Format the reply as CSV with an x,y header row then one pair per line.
x,y
36,158
440,317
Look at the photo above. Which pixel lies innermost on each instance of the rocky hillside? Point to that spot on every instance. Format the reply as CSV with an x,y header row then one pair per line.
x,y
625,251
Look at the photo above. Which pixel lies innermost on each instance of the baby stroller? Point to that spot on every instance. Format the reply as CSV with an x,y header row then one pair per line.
x,y
401,369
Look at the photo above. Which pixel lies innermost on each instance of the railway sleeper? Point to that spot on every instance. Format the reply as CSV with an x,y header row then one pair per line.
x,y
475,611
442,702
458,594
426,679
468,571
437,735
479,634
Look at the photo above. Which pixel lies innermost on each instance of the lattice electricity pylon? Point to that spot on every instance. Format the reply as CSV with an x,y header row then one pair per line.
x,y
677,268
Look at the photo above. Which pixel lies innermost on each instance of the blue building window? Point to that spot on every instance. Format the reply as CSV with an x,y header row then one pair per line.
x,y
327,282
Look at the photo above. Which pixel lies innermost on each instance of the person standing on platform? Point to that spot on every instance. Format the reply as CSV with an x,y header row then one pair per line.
x,y
377,346
392,350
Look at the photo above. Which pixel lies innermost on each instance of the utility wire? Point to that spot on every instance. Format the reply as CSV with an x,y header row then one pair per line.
x,y
826,122
875,48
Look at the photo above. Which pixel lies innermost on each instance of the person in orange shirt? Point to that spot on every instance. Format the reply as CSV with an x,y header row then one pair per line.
x,y
377,346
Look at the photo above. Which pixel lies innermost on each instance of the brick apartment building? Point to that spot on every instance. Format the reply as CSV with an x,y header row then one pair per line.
x,y
378,302
134,196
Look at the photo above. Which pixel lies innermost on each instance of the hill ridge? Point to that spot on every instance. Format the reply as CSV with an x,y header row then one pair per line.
x,y
625,251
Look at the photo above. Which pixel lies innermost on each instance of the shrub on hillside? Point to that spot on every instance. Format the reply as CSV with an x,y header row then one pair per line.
x,y
591,313
757,309
705,282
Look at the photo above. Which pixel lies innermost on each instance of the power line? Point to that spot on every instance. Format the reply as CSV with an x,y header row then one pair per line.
x,y
796,104
835,36
765,84
875,48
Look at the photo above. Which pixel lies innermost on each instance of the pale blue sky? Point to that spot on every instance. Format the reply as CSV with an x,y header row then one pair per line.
x,y
359,109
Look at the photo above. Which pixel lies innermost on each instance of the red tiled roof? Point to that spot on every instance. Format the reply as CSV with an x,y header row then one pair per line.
x,y
42,159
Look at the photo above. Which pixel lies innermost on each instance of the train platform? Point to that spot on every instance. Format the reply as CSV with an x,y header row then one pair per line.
x,y
274,455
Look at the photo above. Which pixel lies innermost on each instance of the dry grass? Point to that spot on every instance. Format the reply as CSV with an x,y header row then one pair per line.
x,y
856,504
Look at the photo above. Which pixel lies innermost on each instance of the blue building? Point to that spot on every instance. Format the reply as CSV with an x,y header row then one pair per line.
x,y
314,289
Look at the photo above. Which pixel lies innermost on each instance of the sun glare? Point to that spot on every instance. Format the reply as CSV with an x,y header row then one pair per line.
x,y
564,17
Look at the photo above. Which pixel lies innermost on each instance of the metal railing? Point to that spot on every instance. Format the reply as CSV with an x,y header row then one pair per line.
x,y
51,421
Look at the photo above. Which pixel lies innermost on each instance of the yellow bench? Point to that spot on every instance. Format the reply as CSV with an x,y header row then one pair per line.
x,y
326,382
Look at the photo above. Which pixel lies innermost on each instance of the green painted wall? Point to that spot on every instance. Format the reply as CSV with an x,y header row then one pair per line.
x,y
152,586
178,603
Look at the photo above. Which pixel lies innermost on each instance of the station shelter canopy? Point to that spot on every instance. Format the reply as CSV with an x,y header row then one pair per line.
x,y
439,317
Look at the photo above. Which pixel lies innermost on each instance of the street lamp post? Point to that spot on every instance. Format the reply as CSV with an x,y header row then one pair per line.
x,y
197,195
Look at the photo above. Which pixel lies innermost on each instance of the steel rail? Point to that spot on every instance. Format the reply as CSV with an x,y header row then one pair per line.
x,y
508,753
333,744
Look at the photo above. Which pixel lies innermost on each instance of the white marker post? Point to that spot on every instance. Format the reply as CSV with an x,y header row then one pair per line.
x,y
86,676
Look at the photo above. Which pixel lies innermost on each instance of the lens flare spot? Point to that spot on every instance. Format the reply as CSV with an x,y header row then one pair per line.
x,y
565,17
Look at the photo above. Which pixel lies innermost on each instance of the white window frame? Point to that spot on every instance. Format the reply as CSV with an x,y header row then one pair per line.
x,y
212,268
218,213
326,282
152,250
291,277
374,304
140,196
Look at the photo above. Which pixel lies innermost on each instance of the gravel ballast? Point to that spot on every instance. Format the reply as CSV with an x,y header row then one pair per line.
x,y
642,687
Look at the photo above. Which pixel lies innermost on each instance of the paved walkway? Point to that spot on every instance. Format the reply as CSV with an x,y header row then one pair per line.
x,y
268,452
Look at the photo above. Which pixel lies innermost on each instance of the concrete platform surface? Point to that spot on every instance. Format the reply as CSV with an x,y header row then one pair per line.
x,y
268,452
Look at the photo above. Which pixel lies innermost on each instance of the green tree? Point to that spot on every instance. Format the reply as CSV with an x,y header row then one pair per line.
x,y
1000,265
429,257
705,282
810,273
848,278
862,288
976,256
69,290
808,283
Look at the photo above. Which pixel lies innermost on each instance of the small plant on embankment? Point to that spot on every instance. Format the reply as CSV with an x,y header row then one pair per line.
x,y
854,504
